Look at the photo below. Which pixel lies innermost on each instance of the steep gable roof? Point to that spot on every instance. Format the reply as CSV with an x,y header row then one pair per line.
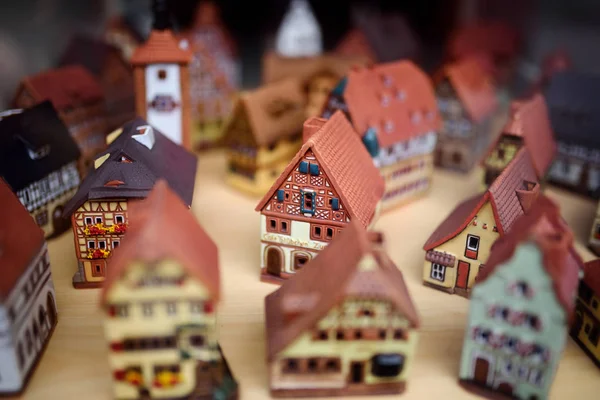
x,y
327,280
20,240
161,47
162,227
346,163
165,160
396,99
33,144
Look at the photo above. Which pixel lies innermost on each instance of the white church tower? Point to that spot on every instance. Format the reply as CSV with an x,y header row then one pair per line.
x,y
299,34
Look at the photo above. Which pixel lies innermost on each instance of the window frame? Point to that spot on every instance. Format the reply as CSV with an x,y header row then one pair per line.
x,y
435,270
86,221
472,252
99,218
313,233
117,219
313,199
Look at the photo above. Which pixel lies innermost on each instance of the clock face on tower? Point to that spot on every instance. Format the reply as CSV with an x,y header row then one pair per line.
x,y
163,103
164,100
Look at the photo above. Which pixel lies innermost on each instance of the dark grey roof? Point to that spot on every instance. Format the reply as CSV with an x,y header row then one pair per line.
x,y
37,131
573,99
165,160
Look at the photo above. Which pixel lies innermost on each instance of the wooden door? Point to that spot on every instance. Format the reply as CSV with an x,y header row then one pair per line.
x,y
462,277
274,261
357,372
482,368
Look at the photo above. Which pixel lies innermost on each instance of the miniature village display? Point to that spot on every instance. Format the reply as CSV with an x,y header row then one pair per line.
x,y
124,173
161,79
299,34
330,182
393,108
214,74
585,329
27,297
467,103
263,135
458,249
112,71
78,98
528,126
572,99
38,160
159,300
520,308
345,325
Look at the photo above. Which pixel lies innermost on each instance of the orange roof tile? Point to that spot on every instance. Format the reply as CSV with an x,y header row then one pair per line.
x,y
355,43
397,99
591,275
162,226
327,280
346,163
161,47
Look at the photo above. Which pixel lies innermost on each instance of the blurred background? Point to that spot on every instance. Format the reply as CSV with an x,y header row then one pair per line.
x,y
33,33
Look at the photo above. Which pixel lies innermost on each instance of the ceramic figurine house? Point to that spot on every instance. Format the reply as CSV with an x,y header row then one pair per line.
x,y
572,99
27,298
330,182
585,330
161,79
112,71
345,325
393,108
520,309
263,135
528,126
78,98
299,34
458,249
124,173
214,75
38,160
159,300
467,102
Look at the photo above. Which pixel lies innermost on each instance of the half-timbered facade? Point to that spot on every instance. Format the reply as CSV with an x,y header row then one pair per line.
x,y
330,182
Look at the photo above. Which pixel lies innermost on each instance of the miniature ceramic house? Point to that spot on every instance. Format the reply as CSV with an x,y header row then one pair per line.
x,y
121,33
467,102
159,298
330,182
27,298
125,172
345,324
585,329
319,74
77,97
214,75
161,76
299,34
393,108
38,160
263,134
458,249
572,99
594,239
528,126
112,71
520,309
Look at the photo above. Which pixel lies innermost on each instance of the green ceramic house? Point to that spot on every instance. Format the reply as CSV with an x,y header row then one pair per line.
x,y
520,308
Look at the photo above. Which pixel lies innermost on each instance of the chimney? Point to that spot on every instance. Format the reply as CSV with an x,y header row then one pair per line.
x,y
528,194
161,15
146,137
311,126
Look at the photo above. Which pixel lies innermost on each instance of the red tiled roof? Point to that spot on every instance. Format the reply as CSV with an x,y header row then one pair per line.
x,y
397,99
493,37
355,43
346,163
543,225
163,227
327,280
161,47
20,240
591,275
65,87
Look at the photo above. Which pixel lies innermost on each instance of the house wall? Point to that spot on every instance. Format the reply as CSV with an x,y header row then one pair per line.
x,y
10,375
457,248
158,301
502,154
512,364
164,82
406,180
577,168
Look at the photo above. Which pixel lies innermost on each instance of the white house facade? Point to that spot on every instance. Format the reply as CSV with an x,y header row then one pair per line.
x,y
164,99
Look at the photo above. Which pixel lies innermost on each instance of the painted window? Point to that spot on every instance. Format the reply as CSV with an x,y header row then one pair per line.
x,y
278,225
303,168
196,307
335,203
438,272
98,270
171,308
119,310
102,244
522,289
510,344
472,247
387,365
314,169
329,232
162,74
316,232
88,221
307,202
197,340
98,220
536,377
321,335
300,260
147,343
119,219
91,244
280,195
507,368
290,366
115,244
147,309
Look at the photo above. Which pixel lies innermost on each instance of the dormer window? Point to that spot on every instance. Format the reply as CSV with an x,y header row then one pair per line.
x,y
38,153
125,159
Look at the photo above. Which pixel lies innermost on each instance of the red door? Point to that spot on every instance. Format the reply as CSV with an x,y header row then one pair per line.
x,y
463,275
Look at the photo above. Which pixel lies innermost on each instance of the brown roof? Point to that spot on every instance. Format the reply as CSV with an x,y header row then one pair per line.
x,y
274,111
473,85
591,275
507,194
161,227
493,37
65,87
276,67
161,47
20,240
355,43
397,99
327,280
346,163
543,225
